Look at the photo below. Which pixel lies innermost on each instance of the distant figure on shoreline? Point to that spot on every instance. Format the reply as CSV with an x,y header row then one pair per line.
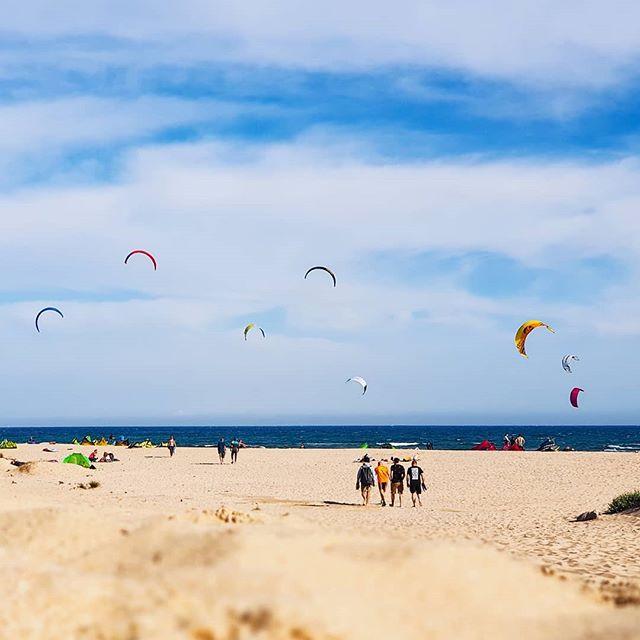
x,y
520,441
171,445
364,482
415,482
397,481
235,446
382,473
222,450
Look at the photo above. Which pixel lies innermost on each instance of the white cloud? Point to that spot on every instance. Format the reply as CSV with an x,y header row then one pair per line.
x,y
234,230
529,41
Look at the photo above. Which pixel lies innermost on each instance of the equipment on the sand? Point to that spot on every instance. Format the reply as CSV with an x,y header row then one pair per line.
x,y
8,444
548,444
79,459
524,330
485,445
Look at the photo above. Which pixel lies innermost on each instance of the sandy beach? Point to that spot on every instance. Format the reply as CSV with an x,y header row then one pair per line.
x,y
277,546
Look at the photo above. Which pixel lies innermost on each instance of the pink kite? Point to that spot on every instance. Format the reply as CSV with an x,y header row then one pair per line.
x,y
144,253
573,396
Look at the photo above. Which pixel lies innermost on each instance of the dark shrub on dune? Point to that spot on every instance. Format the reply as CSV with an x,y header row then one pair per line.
x,y
624,502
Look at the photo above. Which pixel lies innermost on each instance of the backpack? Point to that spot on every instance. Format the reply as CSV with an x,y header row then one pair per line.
x,y
365,475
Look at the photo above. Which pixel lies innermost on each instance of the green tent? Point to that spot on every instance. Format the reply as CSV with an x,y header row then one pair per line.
x,y
78,458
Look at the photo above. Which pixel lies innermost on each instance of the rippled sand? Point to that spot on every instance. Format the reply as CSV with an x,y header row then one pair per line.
x,y
277,547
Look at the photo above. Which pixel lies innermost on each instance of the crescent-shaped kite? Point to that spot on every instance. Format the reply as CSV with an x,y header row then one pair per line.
x,y
524,330
44,311
573,396
333,275
144,253
360,381
250,326
567,360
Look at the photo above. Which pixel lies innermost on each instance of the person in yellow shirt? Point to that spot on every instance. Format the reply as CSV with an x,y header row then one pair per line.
x,y
382,473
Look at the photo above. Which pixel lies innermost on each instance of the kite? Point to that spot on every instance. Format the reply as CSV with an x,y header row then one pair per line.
x,y
524,331
566,360
333,275
250,326
144,253
43,311
573,396
360,381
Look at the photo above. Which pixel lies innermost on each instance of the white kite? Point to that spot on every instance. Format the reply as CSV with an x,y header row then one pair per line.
x,y
360,381
567,360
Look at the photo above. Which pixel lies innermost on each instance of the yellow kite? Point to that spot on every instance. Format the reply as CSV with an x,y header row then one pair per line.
x,y
525,330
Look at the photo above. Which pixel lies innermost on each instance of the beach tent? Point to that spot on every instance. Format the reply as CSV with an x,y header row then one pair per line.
x,y
78,458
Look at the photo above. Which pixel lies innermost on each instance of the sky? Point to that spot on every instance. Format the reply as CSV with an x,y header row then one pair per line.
x,y
461,166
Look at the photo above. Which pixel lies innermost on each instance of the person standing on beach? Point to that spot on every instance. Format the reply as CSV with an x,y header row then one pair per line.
x,y
415,481
171,445
364,482
397,481
222,450
235,447
382,473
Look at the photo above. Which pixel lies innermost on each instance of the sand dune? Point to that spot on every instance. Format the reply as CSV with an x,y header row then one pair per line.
x,y
151,553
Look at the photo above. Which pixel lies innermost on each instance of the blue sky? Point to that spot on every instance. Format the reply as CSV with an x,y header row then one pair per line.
x,y
460,176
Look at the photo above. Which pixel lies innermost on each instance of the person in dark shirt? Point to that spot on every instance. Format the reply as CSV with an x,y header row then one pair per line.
x,y
364,482
222,450
397,481
415,481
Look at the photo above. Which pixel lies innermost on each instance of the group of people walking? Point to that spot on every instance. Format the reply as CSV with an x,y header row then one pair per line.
x,y
393,477
234,446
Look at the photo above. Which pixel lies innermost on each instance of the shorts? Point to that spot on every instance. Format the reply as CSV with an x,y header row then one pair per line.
x,y
382,486
415,486
397,487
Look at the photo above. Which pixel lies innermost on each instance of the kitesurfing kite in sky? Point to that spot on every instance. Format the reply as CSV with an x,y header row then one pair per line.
x,y
361,381
250,326
566,362
524,330
44,311
573,396
144,253
333,275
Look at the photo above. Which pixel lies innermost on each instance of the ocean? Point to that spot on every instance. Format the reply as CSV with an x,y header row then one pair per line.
x,y
586,438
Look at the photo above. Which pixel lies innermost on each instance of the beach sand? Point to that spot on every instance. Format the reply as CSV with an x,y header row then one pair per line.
x,y
277,546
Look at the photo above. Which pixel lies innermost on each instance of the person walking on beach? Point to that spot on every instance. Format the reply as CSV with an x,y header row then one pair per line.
x,y
382,474
222,450
364,482
397,481
235,447
415,482
171,445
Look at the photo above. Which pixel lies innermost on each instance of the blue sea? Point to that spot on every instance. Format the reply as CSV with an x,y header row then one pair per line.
x,y
587,438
